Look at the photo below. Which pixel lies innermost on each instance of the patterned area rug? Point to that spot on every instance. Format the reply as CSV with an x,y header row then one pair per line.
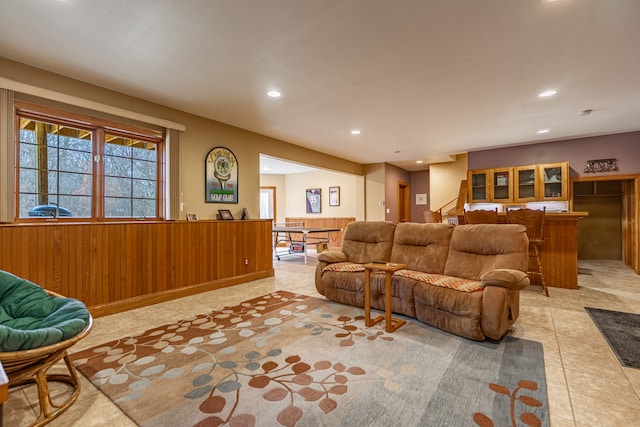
x,y
287,359
622,332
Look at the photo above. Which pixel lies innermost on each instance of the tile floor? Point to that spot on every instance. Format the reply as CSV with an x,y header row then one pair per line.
x,y
587,386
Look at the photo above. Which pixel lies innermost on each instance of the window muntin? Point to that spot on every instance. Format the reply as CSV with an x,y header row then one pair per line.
x,y
130,177
92,172
55,170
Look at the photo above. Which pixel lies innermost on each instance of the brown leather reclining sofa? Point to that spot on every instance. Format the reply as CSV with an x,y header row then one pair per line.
x,y
463,279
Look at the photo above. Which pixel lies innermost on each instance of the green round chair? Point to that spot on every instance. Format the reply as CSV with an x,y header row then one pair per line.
x,y
37,327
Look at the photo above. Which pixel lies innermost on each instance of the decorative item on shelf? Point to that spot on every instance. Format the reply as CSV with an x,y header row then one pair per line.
x,y
334,196
245,214
225,214
601,165
192,217
314,204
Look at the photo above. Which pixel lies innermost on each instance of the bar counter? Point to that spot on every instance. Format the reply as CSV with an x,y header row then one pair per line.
x,y
560,249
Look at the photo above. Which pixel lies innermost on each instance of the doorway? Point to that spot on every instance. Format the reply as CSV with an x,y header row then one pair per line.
x,y
404,206
610,231
268,203
599,233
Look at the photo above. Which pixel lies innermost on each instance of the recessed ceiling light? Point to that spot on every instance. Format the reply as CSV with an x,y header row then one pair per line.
x,y
419,161
546,93
355,132
274,94
541,131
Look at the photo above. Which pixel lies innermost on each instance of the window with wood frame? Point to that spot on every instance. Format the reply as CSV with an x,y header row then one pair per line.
x,y
73,166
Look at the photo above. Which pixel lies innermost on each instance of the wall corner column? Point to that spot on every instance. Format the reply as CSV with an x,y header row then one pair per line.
x,y
7,155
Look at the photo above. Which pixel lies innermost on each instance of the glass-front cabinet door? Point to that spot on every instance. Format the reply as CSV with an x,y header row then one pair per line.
x,y
554,178
478,186
502,183
525,183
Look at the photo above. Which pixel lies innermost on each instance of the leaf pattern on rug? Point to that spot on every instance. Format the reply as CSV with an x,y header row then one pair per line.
x,y
389,375
353,328
294,379
134,361
247,365
528,418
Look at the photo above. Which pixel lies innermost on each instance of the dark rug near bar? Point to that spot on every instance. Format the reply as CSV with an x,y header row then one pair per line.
x,y
293,360
622,332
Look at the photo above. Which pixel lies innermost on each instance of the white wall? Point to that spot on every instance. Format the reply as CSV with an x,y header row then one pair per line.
x,y
291,194
445,181
375,192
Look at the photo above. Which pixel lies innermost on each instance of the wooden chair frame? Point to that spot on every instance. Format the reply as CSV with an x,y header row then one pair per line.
x,y
481,216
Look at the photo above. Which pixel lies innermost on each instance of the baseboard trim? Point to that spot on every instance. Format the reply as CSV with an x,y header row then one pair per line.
x,y
158,297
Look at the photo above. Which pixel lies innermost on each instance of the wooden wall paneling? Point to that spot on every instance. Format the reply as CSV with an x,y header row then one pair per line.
x,y
559,253
330,222
110,264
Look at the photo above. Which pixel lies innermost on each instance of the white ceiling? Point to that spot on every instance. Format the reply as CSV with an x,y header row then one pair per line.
x,y
422,79
274,166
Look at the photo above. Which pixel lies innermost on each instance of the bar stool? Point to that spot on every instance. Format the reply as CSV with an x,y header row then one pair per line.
x,y
534,221
481,216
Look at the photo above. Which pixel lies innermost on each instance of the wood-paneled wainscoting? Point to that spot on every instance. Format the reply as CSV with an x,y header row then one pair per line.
x,y
113,267
336,238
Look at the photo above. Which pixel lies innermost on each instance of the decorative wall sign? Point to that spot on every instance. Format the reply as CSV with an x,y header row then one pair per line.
x,y
314,204
221,176
601,165
334,196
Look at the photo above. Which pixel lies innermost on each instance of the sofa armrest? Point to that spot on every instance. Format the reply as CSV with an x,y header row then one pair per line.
x,y
332,256
506,278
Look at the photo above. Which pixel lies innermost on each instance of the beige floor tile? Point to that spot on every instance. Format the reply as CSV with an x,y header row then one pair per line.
x,y
559,403
603,388
594,412
561,422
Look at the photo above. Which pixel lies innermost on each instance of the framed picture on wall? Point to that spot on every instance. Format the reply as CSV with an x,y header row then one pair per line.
x,y
334,196
221,176
314,202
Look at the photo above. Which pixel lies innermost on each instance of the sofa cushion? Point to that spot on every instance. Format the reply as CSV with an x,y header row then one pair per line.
x,y
457,312
456,283
477,248
368,241
423,247
332,256
347,267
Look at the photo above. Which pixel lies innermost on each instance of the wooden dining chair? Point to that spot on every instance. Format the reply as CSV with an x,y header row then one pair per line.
x,y
433,216
481,216
534,221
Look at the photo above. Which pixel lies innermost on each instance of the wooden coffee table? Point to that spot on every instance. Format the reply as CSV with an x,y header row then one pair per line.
x,y
388,269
